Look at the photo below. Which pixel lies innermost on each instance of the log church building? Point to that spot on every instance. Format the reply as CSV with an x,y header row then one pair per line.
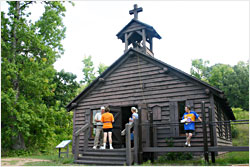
x,y
160,92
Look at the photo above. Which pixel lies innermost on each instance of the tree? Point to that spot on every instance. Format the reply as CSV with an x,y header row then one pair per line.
x,y
239,86
200,69
219,75
65,89
101,68
232,80
28,53
88,70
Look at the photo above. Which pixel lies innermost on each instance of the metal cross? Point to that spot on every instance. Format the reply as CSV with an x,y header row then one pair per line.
x,y
135,11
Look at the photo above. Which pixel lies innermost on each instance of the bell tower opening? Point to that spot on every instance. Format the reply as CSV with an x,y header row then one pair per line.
x,y
138,35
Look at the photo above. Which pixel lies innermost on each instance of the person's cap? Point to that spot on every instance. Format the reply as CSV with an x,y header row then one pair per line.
x,y
102,108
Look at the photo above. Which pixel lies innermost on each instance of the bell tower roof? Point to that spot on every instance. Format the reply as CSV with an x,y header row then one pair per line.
x,y
138,34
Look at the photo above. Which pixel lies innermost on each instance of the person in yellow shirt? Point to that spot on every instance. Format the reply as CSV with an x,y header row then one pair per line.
x,y
107,120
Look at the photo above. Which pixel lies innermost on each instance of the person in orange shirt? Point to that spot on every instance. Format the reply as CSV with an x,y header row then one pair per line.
x,y
107,120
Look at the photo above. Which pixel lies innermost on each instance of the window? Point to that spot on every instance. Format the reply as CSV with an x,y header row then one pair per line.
x,y
156,113
181,111
92,129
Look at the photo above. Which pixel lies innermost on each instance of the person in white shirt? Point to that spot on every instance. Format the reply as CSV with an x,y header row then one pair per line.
x,y
98,130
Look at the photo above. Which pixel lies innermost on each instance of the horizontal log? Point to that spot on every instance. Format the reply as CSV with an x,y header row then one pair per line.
x,y
134,66
131,72
181,145
137,84
172,149
80,119
124,102
147,95
124,77
136,81
129,63
193,140
228,148
136,88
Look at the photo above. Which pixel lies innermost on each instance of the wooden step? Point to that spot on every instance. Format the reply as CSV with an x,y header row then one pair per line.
x,y
106,162
103,158
107,150
103,154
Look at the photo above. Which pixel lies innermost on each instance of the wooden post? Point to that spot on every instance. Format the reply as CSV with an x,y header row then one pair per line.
x,y
144,40
151,133
86,139
136,141
204,132
230,131
128,146
147,131
140,135
155,141
126,42
76,147
212,103
211,134
151,44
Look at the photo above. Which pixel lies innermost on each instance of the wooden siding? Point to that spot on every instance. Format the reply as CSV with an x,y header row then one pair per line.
x,y
123,87
223,131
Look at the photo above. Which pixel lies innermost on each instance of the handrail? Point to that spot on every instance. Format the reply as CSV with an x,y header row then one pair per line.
x,y
129,157
84,129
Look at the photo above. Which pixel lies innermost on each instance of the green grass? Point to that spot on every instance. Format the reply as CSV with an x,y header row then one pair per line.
x,y
242,138
54,160
233,158
222,160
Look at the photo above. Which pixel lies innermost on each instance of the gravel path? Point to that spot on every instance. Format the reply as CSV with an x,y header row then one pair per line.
x,y
18,161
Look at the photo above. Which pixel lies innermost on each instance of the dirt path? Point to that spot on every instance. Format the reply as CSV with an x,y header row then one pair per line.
x,y
18,161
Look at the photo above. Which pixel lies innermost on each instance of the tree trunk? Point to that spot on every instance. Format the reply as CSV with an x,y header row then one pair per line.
x,y
18,141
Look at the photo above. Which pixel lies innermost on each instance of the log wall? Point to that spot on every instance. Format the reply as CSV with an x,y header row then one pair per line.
x,y
138,80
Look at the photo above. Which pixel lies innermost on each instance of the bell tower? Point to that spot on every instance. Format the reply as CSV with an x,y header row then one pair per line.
x,y
137,34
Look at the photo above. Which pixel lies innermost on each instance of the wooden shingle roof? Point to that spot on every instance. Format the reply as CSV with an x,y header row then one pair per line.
x,y
133,25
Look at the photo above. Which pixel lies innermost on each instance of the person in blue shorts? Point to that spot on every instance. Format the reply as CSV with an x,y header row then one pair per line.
x,y
189,126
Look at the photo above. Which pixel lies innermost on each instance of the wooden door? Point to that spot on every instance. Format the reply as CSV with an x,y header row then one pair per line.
x,y
117,125
144,119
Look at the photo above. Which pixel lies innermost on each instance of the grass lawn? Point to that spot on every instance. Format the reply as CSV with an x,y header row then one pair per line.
x,y
227,159
54,160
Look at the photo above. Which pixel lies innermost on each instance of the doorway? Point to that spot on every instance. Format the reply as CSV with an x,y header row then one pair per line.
x,y
126,114
181,111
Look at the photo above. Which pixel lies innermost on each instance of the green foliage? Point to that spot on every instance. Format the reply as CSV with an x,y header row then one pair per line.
x,y
240,114
65,90
54,160
101,68
232,80
233,158
88,70
200,69
240,132
172,156
222,160
234,131
29,50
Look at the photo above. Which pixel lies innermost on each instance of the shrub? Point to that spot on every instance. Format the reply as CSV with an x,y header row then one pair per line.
x,y
173,156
